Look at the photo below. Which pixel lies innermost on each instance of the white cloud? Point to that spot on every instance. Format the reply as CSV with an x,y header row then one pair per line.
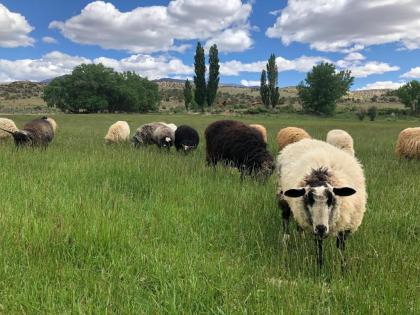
x,y
414,73
354,56
348,25
157,28
235,67
148,66
49,40
301,64
354,61
379,85
232,40
369,68
14,29
250,83
56,64
48,66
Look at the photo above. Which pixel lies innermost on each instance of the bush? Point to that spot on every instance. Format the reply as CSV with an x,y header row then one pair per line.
x,y
361,113
372,112
255,110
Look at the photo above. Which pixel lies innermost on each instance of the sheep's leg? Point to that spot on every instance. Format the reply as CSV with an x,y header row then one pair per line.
x,y
285,213
341,244
300,231
243,170
211,162
319,252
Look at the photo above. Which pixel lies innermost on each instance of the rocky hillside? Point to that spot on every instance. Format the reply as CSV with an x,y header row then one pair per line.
x,y
21,90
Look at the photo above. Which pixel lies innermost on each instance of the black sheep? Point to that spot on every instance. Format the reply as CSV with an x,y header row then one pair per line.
x,y
186,138
38,132
239,145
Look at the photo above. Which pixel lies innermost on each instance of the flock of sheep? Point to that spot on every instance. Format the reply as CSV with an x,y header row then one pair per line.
x,y
320,183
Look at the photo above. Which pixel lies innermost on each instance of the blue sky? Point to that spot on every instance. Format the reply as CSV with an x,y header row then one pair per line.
x,y
377,39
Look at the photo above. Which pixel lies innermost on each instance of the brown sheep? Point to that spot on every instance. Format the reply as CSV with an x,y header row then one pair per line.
x,y
36,133
290,135
408,143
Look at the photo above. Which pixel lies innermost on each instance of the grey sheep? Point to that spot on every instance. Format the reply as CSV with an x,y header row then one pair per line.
x,y
157,133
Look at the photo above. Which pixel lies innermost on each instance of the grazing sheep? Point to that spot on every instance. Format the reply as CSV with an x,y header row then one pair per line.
x,y
8,126
408,143
290,135
341,139
260,129
118,132
38,132
154,133
186,138
324,188
235,143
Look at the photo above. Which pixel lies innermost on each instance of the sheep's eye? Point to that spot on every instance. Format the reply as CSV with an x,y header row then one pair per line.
x,y
310,199
329,199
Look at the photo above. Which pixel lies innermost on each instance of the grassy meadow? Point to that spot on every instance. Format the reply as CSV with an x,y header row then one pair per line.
x,y
87,228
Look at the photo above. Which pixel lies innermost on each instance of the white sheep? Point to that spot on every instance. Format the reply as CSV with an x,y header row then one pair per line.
x,y
118,132
341,139
324,188
9,125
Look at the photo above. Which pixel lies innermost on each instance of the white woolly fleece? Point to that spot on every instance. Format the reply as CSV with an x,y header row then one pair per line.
x,y
118,132
297,160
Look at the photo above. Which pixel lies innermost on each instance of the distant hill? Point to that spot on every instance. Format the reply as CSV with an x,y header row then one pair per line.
x,y
21,89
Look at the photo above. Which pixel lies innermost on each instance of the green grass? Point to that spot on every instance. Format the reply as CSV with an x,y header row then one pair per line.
x,y
89,228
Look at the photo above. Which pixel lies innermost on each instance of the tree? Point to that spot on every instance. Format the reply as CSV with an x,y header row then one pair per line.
x,y
95,88
409,95
200,76
272,78
188,96
213,81
322,88
372,112
264,92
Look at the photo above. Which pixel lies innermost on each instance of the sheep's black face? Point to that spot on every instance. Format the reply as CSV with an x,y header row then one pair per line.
x,y
320,205
22,138
265,166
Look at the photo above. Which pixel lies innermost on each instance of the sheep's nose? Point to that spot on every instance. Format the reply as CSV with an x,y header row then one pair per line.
x,y
320,230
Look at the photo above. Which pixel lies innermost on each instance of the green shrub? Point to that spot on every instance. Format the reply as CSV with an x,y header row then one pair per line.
x,y
361,113
372,112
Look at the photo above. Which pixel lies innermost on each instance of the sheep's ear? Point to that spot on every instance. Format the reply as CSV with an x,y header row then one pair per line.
x,y
295,193
344,191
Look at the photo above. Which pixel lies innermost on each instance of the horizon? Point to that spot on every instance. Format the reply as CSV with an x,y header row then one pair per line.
x,y
376,40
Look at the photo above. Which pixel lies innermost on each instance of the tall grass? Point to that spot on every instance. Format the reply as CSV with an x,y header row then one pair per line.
x,y
91,228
